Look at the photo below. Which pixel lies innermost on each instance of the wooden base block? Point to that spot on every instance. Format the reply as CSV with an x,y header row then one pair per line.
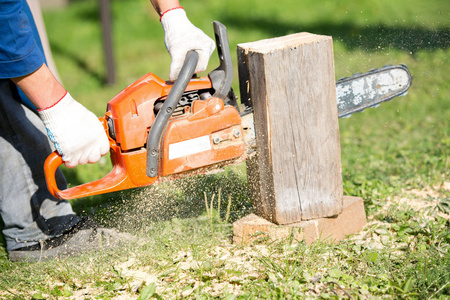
x,y
351,220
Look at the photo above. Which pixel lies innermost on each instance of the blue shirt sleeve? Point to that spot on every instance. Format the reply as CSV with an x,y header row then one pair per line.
x,y
20,47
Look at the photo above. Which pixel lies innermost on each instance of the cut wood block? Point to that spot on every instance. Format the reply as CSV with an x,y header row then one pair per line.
x,y
290,83
253,228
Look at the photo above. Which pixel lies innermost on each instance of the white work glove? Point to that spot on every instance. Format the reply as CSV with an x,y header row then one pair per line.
x,y
181,37
78,135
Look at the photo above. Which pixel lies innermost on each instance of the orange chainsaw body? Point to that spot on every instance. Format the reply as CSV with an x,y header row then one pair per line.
x,y
160,131
202,134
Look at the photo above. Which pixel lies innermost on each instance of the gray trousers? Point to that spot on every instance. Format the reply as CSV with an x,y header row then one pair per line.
x,y
29,212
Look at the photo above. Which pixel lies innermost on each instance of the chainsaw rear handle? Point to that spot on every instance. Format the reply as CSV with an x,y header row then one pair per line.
x,y
51,164
117,179
165,113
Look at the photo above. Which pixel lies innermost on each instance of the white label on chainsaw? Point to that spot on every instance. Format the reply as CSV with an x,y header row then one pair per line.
x,y
189,147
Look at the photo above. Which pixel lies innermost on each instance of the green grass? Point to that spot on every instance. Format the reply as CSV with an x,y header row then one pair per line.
x,y
389,154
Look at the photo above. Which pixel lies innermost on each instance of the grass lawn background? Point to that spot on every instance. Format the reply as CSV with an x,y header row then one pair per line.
x,y
390,152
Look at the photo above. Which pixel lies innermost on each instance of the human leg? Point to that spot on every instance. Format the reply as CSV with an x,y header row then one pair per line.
x,y
30,213
38,226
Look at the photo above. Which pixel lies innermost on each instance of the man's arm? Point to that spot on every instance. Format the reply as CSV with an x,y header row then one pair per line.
x,y
41,87
164,5
76,132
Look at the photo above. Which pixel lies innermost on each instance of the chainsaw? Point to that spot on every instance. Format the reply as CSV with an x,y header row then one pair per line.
x,y
160,131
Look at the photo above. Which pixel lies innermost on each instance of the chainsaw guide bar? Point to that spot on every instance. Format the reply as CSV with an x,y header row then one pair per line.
x,y
355,94
365,90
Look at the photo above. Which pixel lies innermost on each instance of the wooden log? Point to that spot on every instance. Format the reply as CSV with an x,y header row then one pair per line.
x,y
290,82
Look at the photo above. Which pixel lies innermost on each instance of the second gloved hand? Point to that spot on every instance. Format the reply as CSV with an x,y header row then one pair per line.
x,y
77,134
181,36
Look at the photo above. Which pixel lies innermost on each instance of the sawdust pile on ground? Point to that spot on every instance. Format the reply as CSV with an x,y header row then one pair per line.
x,y
376,233
227,268
421,200
243,264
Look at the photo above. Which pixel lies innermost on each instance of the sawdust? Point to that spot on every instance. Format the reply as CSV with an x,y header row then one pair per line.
x,y
9,292
227,268
138,275
240,263
434,191
181,198
84,293
376,234
421,200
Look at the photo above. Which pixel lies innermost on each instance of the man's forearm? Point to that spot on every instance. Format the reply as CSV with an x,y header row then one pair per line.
x,y
164,5
41,87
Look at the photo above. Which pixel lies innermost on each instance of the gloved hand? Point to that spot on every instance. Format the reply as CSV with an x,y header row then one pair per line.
x,y
181,37
77,134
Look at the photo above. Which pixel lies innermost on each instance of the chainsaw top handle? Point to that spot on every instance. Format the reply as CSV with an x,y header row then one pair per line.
x,y
161,120
221,79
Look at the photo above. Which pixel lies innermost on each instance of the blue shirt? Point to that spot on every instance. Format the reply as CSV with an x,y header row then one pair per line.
x,y
20,47
21,50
